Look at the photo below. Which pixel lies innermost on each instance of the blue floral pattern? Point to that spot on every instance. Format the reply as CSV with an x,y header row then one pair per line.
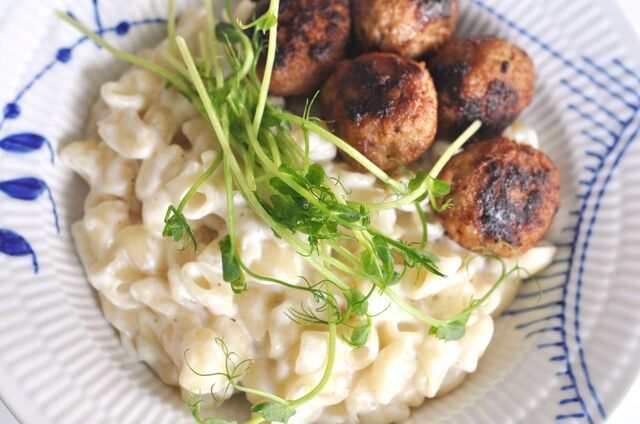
x,y
30,188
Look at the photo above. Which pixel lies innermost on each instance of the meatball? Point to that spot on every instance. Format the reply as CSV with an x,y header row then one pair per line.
x,y
409,28
383,105
505,196
312,39
481,78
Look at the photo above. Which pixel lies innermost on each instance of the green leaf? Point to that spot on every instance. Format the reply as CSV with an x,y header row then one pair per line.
x,y
315,174
366,217
272,411
281,186
231,272
416,182
177,228
239,285
394,279
312,228
267,21
360,334
332,227
286,169
384,254
236,98
285,211
264,23
357,300
258,407
346,213
271,119
439,188
195,411
450,331
369,264
415,257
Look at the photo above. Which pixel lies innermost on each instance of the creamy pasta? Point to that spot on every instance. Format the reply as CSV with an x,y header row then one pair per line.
x,y
145,147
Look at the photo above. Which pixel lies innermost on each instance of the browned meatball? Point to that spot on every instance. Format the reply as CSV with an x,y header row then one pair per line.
x,y
409,28
504,195
312,39
383,105
481,78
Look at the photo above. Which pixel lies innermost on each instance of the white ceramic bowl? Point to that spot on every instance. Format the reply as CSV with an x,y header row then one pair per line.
x,y
570,357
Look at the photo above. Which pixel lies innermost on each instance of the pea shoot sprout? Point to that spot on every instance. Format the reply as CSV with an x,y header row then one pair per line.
x,y
292,195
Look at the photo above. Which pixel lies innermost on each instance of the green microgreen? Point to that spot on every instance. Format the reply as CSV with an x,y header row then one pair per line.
x,y
274,411
197,414
357,301
450,331
360,333
231,270
176,225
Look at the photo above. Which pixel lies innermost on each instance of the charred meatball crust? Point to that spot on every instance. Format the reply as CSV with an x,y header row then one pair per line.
x,y
409,28
312,39
383,105
481,78
505,196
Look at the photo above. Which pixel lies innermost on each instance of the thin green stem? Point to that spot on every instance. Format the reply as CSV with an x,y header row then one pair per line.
x,y
268,68
171,26
404,200
290,146
201,180
305,133
275,151
344,267
426,186
177,65
248,56
127,57
423,223
455,146
346,148
411,310
270,279
259,393
228,184
250,165
343,252
211,35
305,129
505,275
205,55
331,357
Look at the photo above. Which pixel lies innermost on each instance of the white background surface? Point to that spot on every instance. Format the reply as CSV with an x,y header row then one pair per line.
x,y
629,411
